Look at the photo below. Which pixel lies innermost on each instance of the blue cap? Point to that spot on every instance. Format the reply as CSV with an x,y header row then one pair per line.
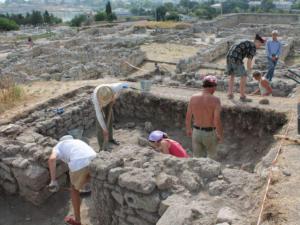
x,y
66,137
156,135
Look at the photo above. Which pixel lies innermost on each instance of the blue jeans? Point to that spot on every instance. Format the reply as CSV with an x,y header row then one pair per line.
x,y
271,68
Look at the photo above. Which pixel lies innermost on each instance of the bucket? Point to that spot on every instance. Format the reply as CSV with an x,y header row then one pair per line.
x,y
76,133
145,85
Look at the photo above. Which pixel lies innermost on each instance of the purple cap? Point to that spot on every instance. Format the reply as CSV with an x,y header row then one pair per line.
x,y
156,135
210,79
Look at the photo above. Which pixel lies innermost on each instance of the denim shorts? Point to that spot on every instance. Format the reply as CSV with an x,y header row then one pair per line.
x,y
235,70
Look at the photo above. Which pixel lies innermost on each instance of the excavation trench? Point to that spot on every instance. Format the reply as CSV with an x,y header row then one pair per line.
x,y
134,184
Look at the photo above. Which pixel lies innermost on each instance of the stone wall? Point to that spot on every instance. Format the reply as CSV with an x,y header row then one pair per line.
x,y
26,143
171,113
203,56
231,20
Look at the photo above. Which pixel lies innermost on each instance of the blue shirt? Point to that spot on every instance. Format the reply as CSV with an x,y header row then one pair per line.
x,y
273,48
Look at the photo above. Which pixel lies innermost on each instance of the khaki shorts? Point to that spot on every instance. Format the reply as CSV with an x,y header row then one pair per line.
x,y
79,178
204,143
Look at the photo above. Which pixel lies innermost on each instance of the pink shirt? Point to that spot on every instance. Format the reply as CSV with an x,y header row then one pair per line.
x,y
176,149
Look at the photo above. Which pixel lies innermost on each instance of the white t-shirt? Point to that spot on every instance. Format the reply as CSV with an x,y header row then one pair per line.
x,y
76,153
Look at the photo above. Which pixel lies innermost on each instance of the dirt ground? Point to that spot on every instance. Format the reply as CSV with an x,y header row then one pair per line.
x,y
168,52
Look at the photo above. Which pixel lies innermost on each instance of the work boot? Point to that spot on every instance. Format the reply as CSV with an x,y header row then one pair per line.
x,y
245,99
113,141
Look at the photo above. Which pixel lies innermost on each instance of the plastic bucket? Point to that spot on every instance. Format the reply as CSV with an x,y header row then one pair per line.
x,y
145,85
76,133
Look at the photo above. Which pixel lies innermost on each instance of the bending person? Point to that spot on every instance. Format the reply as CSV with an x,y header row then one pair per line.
x,y
103,98
162,143
78,155
235,65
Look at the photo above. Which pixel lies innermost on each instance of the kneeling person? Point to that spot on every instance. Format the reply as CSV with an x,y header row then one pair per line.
x,y
78,155
264,87
160,141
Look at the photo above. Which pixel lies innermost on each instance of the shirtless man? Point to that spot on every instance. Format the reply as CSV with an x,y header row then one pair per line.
x,y
205,110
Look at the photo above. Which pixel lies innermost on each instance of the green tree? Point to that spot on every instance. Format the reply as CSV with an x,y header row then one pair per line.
x,y
78,20
160,13
173,16
100,16
36,18
47,18
108,9
7,24
267,5
111,17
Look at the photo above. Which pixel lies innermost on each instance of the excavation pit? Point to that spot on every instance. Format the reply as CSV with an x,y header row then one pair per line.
x,y
134,184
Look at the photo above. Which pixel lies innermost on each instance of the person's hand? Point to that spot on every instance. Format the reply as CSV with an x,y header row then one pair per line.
x,y
53,186
105,134
220,139
189,132
248,72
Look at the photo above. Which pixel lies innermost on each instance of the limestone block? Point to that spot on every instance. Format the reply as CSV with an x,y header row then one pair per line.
x,y
20,163
34,177
205,167
114,173
10,129
176,215
103,163
138,180
191,181
171,200
10,187
164,181
137,221
148,203
6,175
4,167
118,197
217,187
150,217
226,214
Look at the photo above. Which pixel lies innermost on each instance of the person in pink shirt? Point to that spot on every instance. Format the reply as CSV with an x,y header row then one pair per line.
x,y
162,143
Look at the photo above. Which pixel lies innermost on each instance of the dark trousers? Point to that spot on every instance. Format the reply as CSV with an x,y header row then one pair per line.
x,y
271,68
99,129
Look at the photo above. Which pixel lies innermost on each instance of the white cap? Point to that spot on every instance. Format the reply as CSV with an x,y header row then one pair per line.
x,y
275,32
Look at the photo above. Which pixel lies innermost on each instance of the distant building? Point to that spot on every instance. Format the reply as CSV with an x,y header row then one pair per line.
x,y
121,12
285,5
254,3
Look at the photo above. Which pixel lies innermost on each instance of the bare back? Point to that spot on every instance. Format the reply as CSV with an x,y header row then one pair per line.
x,y
203,107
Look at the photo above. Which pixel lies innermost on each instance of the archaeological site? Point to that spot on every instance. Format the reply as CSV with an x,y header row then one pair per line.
x,y
253,180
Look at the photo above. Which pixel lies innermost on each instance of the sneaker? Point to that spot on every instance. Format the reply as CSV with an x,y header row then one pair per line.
x,y
230,96
71,221
245,99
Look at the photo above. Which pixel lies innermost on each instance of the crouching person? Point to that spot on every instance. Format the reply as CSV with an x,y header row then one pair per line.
x,y
78,155
162,143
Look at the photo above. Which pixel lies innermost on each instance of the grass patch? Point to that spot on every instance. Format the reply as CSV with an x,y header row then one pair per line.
x,y
164,25
10,94
36,37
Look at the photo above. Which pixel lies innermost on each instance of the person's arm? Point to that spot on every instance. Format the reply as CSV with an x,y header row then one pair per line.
x,y
165,147
255,92
218,122
279,51
188,120
268,50
267,86
52,165
249,65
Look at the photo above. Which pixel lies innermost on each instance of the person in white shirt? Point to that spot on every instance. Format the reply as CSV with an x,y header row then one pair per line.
x,y
78,155
103,98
